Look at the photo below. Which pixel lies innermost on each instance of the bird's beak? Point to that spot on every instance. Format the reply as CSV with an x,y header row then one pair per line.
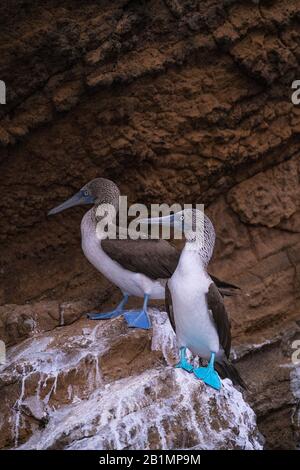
x,y
167,220
76,200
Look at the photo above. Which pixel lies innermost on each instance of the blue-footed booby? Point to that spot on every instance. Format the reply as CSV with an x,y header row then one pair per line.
x,y
195,307
137,267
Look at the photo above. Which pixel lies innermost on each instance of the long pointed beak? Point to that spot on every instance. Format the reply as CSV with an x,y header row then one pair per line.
x,y
167,220
76,200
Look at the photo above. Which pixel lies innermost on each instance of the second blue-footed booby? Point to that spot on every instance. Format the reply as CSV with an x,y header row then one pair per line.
x,y
195,307
138,267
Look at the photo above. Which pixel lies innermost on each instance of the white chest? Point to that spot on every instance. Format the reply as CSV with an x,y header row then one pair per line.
x,y
195,327
129,282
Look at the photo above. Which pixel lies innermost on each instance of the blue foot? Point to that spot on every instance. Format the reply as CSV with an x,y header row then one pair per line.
x,y
183,363
208,374
138,319
105,316
113,314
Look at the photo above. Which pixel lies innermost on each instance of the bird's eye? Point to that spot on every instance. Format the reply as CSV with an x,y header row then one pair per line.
x,y
85,192
182,217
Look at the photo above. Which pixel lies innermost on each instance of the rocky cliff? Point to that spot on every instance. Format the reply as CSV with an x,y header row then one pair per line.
x,y
176,101
102,386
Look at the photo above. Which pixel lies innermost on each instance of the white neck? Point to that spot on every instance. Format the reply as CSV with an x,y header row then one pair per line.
x,y
191,261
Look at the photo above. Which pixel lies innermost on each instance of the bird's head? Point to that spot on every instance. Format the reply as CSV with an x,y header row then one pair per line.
x,y
96,192
195,225
183,221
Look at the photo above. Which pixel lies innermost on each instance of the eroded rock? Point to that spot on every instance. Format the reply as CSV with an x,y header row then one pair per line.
x,y
176,101
99,385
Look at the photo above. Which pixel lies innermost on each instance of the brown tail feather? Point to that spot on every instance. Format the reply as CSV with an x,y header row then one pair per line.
x,y
224,284
228,291
226,288
227,369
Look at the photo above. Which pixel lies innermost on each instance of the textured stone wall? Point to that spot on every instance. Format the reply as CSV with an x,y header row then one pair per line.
x,y
176,101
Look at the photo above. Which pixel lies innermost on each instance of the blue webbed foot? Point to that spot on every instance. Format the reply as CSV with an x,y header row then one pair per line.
x,y
138,319
209,375
119,310
104,316
183,363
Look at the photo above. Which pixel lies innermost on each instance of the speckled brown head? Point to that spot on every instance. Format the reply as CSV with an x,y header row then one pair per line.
x,y
196,226
97,191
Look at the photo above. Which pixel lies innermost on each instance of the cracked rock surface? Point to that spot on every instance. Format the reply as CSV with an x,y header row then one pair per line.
x,y
176,101
99,385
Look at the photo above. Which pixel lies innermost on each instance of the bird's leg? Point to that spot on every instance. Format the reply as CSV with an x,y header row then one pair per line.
x,y
119,310
208,374
183,363
139,318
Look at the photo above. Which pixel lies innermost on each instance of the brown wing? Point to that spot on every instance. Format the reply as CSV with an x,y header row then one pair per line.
x,y
169,307
225,288
215,303
156,259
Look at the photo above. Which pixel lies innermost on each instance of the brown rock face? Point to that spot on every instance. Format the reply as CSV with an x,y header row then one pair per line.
x,y
176,101
99,385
